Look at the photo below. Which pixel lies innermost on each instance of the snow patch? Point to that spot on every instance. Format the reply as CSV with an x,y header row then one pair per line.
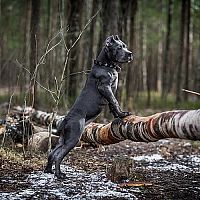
x,y
148,158
77,185
195,159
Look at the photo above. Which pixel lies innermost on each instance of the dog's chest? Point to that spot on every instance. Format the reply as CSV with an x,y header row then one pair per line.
x,y
114,81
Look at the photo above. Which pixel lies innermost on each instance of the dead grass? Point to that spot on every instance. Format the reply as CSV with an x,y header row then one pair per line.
x,y
8,157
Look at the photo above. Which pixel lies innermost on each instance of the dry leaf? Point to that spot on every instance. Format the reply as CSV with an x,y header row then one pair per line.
x,y
135,184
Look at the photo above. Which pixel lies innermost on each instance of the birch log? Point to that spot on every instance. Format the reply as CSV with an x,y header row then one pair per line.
x,y
184,124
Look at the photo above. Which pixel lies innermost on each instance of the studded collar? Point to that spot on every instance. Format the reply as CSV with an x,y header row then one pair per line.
x,y
113,65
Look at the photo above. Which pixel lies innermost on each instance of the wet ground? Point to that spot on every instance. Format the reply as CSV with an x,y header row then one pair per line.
x,y
167,169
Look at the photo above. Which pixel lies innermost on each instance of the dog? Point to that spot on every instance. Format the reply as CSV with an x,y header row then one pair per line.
x,y
98,92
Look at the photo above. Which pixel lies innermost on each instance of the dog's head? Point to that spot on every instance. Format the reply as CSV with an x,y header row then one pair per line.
x,y
117,50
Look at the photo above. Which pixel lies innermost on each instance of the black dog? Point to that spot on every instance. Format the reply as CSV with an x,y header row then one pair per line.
x,y
98,91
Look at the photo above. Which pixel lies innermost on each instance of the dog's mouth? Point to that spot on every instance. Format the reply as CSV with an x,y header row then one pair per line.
x,y
126,59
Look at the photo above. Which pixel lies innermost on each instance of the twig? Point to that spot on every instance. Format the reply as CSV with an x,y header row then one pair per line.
x,y
52,93
191,92
86,72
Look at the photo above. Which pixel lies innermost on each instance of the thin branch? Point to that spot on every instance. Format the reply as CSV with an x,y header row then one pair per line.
x,y
86,72
56,83
52,93
81,72
62,32
191,92
48,50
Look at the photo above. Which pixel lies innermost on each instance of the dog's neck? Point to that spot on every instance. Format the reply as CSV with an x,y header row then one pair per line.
x,y
104,60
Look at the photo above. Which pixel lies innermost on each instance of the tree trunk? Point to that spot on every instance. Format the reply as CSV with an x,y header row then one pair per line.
x,y
109,20
132,70
53,17
83,43
197,70
142,47
73,22
123,12
1,42
179,72
149,76
165,70
95,5
187,47
26,47
35,18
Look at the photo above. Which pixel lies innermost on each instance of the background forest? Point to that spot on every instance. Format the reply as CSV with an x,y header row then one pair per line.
x,y
163,34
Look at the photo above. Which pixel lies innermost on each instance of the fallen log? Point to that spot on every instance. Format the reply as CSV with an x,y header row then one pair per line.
x,y
39,141
184,124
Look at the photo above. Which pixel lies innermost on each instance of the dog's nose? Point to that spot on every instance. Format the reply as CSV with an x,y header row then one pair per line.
x,y
130,57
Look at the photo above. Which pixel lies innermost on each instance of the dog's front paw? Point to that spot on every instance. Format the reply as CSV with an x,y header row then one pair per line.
x,y
124,114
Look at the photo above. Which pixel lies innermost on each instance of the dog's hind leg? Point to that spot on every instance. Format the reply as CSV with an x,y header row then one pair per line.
x,y
73,134
52,154
55,151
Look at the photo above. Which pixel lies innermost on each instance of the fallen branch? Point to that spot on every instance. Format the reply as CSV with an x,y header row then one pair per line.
x,y
191,92
173,124
184,124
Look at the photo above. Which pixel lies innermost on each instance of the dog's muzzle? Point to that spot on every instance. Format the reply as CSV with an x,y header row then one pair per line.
x,y
130,57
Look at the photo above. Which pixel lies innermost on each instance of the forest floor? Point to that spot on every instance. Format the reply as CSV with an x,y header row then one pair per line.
x,y
167,169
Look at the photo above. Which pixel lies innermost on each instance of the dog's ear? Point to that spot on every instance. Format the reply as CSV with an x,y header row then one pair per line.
x,y
110,40
117,37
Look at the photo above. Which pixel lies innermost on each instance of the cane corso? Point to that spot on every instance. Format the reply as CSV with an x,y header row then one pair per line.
x,y
98,92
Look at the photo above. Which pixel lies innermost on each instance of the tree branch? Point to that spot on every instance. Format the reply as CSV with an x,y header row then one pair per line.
x,y
191,92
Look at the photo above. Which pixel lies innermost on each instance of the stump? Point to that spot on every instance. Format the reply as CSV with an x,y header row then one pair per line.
x,y
120,169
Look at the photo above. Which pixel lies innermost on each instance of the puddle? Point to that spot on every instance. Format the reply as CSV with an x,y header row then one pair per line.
x,y
77,185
